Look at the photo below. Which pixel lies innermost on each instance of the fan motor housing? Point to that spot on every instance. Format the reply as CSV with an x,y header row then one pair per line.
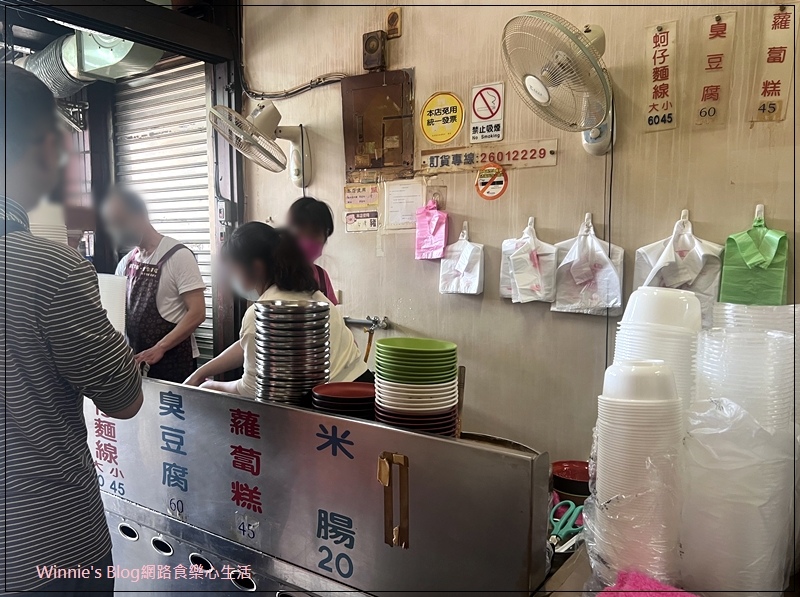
x,y
374,47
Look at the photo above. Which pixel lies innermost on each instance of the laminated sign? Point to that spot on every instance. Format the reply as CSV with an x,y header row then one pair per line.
x,y
442,117
491,182
716,68
486,122
662,92
775,64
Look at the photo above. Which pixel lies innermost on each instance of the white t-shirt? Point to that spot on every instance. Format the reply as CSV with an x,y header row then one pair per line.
x,y
346,361
180,274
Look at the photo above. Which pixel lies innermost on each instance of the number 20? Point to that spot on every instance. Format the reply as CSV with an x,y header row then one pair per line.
x,y
342,557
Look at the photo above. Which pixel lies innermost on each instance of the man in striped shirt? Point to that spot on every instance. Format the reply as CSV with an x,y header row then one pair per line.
x,y
56,346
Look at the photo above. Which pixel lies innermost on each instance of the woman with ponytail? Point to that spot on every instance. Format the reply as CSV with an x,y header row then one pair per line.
x,y
265,263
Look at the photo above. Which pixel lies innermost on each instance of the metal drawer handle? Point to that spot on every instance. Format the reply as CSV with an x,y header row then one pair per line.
x,y
394,536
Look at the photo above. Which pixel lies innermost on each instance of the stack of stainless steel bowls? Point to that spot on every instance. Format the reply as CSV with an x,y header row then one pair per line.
x,y
293,351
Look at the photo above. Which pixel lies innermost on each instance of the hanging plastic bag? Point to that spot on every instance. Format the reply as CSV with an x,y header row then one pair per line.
x,y
587,279
682,261
755,269
531,268
431,232
462,266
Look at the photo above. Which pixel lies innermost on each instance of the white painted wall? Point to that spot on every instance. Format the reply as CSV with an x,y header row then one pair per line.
x,y
532,375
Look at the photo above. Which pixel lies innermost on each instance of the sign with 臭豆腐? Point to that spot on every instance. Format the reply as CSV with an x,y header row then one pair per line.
x,y
712,95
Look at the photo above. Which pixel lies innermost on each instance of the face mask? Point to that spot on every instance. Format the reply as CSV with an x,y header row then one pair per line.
x,y
126,238
251,295
312,249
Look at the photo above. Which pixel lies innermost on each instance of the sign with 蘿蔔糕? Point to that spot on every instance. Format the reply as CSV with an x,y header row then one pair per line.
x,y
442,117
775,64
486,119
661,88
527,154
712,94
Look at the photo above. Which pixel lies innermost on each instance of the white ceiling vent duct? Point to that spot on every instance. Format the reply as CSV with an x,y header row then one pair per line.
x,y
73,61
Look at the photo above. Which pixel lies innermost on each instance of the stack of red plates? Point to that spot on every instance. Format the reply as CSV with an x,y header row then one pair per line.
x,y
440,423
352,399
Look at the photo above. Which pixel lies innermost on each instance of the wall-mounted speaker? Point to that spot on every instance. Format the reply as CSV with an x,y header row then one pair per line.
x,y
374,46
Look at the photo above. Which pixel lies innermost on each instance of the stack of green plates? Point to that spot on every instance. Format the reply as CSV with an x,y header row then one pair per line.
x,y
416,384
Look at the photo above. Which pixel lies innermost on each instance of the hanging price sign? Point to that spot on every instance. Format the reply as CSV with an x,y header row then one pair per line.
x,y
775,64
716,67
491,182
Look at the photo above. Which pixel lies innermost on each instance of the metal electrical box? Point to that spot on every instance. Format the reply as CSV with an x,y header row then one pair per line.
x,y
377,117
350,502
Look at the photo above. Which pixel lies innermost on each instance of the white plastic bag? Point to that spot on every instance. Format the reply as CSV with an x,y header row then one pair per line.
x,y
462,266
530,268
682,261
587,279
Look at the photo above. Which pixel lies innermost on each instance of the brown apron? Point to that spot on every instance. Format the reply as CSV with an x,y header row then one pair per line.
x,y
144,325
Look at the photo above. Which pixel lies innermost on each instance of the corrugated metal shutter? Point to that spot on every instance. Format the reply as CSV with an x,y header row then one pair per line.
x,y
161,150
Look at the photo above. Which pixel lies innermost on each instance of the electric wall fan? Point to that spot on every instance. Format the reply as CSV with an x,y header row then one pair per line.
x,y
254,137
558,71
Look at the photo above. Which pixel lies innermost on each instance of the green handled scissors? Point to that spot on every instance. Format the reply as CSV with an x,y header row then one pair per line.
x,y
564,527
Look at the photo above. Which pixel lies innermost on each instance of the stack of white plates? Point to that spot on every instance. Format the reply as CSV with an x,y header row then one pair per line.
x,y
113,290
639,432
662,324
292,349
736,532
416,384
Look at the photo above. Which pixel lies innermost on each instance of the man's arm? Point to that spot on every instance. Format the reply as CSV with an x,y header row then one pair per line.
x,y
195,315
86,349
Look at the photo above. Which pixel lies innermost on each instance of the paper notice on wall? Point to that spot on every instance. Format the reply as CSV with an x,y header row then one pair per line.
x,y
403,198
359,196
361,221
661,90
775,64
713,91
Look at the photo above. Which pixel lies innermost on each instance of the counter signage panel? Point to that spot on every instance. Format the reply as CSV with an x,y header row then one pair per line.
x,y
302,487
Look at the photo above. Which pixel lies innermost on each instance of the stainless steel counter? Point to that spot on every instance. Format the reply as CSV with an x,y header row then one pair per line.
x,y
314,501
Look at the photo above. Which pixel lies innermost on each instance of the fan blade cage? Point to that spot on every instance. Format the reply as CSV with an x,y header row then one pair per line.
x,y
544,49
246,138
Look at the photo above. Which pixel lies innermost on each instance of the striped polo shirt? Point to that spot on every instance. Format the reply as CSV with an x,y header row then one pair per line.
x,y
56,346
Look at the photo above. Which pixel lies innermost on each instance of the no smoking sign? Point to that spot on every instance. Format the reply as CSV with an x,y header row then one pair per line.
x,y
486,122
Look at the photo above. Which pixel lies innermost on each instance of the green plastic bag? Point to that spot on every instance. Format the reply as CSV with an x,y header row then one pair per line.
x,y
755,267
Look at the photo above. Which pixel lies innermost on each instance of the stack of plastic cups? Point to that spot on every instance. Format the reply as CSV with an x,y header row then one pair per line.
x,y
639,432
662,324
783,318
740,469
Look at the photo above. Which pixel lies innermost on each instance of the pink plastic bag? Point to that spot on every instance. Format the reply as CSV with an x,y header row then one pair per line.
x,y
431,232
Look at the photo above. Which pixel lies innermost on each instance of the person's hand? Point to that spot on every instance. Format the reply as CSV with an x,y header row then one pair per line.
x,y
195,379
151,356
